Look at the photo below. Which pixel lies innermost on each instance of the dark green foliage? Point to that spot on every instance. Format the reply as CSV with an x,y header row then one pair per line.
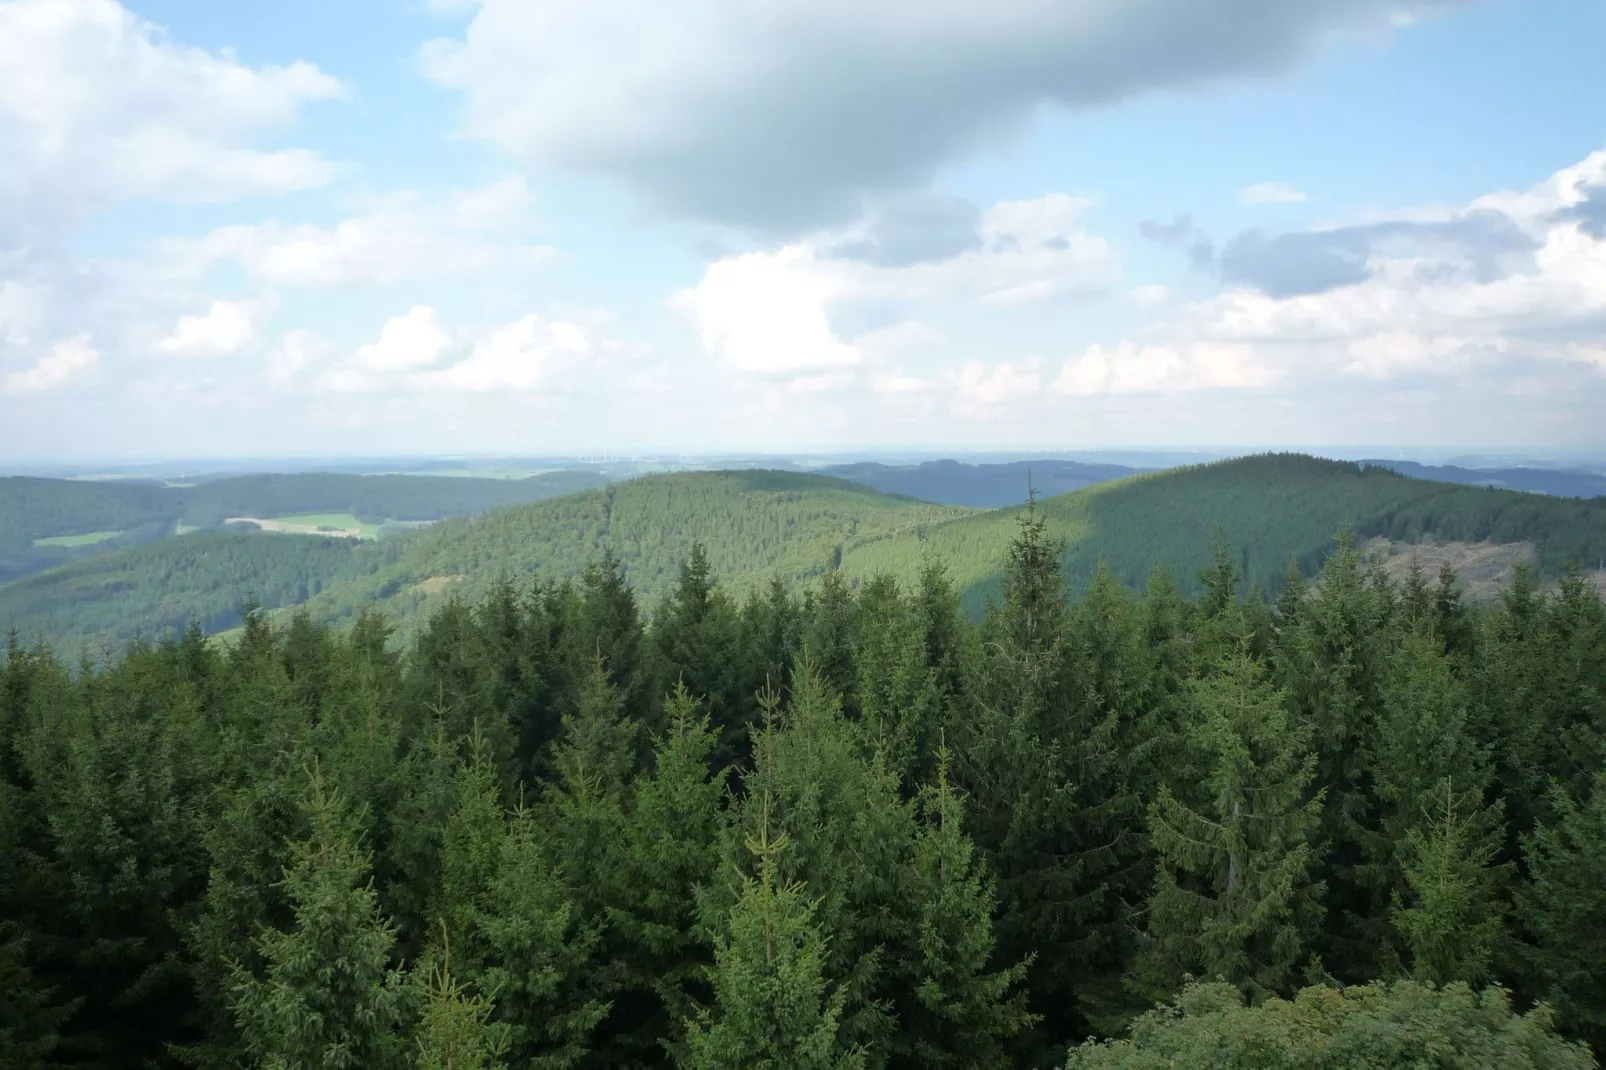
x,y
1567,910
1235,898
1405,1025
842,825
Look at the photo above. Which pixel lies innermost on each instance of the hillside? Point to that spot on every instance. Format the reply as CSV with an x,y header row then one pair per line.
x,y
45,522
1269,508
757,525
980,486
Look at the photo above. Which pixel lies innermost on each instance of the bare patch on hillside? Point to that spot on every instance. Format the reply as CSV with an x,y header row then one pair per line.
x,y
1483,567
434,585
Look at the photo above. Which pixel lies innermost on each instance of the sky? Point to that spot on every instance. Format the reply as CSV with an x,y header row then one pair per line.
x,y
535,227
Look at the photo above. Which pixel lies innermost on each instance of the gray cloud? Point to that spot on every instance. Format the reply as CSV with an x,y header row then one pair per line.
x,y
1182,234
1591,213
782,116
1480,246
918,227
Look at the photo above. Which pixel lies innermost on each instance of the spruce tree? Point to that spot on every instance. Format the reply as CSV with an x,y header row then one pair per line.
x,y
1234,895
1455,921
455,1030
958,1009
328,995
671,848
773,1009
537,955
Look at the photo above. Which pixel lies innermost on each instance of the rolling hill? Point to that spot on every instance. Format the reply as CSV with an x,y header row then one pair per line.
x,y
981,486
44,522
1270,509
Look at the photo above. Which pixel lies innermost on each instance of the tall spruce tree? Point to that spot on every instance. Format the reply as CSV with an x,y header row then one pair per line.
x,y
773,1009
1235,897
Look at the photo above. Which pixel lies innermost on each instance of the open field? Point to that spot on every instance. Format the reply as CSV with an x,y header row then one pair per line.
x,y
74,541
338,525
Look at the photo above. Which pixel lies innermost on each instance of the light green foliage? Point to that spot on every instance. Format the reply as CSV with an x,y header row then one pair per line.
x,y
1404,1025
455,1031
1456,918
328,995
773,1009
74,541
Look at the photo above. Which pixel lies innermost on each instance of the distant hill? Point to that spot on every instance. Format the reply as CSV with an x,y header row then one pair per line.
x,y
981,486
1558,482
45,522
1270,509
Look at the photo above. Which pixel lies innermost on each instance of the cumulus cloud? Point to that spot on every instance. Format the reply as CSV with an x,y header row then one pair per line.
x,y
71,362
1271,193
778,313
225,329
1513,278
980,388
97,105
782,116
1159,369
416,354
401,236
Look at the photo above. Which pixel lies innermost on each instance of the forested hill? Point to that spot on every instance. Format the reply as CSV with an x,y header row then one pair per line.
x,y
758,526
1270,509
47,521
984,486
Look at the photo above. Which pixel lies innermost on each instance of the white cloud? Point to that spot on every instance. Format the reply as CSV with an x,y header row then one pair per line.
x,y
782,115
402,236
227,328
979,388
1271,193
72,361
1156,369
406,343
766,313
98,105
771,313
415,354
519,358
297,353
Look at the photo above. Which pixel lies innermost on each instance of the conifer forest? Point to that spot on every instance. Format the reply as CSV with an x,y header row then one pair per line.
x,y
1360,824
